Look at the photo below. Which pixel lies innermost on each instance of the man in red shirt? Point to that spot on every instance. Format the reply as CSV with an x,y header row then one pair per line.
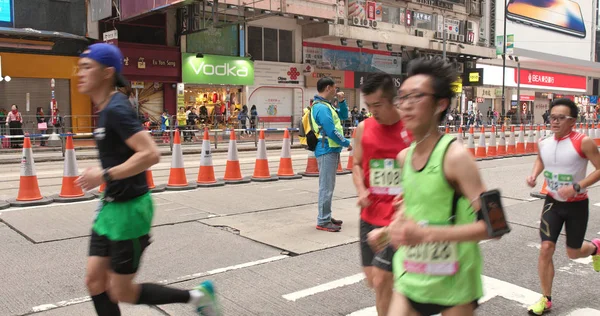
x,y
376,176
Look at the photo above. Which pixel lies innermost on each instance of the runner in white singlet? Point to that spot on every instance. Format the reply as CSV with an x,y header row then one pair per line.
x,y
563,158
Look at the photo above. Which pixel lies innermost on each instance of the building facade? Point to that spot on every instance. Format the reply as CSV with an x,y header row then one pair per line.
x,y
36,47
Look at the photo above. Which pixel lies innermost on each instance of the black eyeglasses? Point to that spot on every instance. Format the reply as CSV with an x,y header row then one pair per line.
x,y
414,97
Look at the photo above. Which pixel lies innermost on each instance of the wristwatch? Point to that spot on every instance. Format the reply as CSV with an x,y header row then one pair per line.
x,y
106,176
577,188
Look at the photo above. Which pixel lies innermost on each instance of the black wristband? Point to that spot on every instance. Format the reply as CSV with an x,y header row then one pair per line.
x,y
106,176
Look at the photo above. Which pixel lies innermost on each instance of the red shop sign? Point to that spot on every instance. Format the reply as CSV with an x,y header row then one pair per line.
x,y
551,79
151,63
527,98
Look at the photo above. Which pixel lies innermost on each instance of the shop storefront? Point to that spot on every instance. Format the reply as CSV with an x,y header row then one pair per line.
x,y
29,87
278,93
216,83
535,89
154,72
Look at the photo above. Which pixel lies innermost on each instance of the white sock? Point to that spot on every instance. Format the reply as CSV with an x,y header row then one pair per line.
x,y
195,297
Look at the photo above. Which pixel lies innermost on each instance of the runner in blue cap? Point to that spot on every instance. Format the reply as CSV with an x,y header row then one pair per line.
x,y
121,229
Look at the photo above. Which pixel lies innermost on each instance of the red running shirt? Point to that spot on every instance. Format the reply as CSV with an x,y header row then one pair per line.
x,y
380,147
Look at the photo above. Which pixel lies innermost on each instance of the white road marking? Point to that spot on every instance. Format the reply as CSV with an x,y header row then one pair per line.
x,y
369,311
325,287
534,245
45,307
12,209
586,260
597,204
532,199
494,287
491,288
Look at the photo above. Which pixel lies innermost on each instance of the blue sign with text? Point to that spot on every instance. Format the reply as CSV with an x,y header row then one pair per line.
x,y
6,11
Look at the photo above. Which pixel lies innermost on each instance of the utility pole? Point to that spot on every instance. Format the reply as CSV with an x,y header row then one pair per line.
x,y
519,114
444,43
504,63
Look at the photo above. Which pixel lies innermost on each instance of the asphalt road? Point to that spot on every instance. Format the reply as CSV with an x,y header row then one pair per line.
x,y
258,243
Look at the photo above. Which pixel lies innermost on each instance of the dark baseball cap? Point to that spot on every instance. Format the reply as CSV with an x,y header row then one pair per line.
x,y
109,56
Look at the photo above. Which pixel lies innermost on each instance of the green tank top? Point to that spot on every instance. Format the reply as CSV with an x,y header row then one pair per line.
x,y
441,273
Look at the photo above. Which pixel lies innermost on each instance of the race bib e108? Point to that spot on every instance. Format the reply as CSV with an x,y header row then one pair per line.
x,y
555,180
432,258
384,177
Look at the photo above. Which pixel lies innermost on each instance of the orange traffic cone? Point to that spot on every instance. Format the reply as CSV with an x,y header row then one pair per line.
x,y
492,149
312,166
543,192
459,137
233,173
206,173
340,170
471,142
177,179
511,149
481,148
261,167
521,142
151,186
29,190
529,148
502,143
351,155
70,192
286,171
537,139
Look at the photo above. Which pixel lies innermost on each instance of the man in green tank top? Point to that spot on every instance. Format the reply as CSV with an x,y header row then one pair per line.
x,y
437,267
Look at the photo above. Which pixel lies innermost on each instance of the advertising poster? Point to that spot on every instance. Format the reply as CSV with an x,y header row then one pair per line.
x,y
362,9
151,100
559,27
324,56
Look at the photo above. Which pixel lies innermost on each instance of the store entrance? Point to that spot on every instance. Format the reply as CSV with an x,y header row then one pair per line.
x,y
216,105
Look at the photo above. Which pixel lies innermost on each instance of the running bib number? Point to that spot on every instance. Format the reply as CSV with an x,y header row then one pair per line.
x,y
384,177
432,258
555,181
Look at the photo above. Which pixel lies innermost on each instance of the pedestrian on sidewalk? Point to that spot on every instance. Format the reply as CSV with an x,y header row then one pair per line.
x,y
14,122
121,228
330,133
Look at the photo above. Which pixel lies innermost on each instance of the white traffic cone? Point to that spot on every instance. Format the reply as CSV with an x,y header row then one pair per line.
x,y
29,190
206,172
71,192
261,167
177,178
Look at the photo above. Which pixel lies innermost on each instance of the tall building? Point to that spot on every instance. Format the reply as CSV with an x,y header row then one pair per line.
x,y
271,53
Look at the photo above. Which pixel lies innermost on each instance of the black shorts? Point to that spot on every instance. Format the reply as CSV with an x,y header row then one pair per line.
x,y
425,309
125,255
573,214
381,260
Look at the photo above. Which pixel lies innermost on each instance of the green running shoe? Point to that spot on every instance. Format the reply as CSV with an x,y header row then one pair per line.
x,y
596,256
543,305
